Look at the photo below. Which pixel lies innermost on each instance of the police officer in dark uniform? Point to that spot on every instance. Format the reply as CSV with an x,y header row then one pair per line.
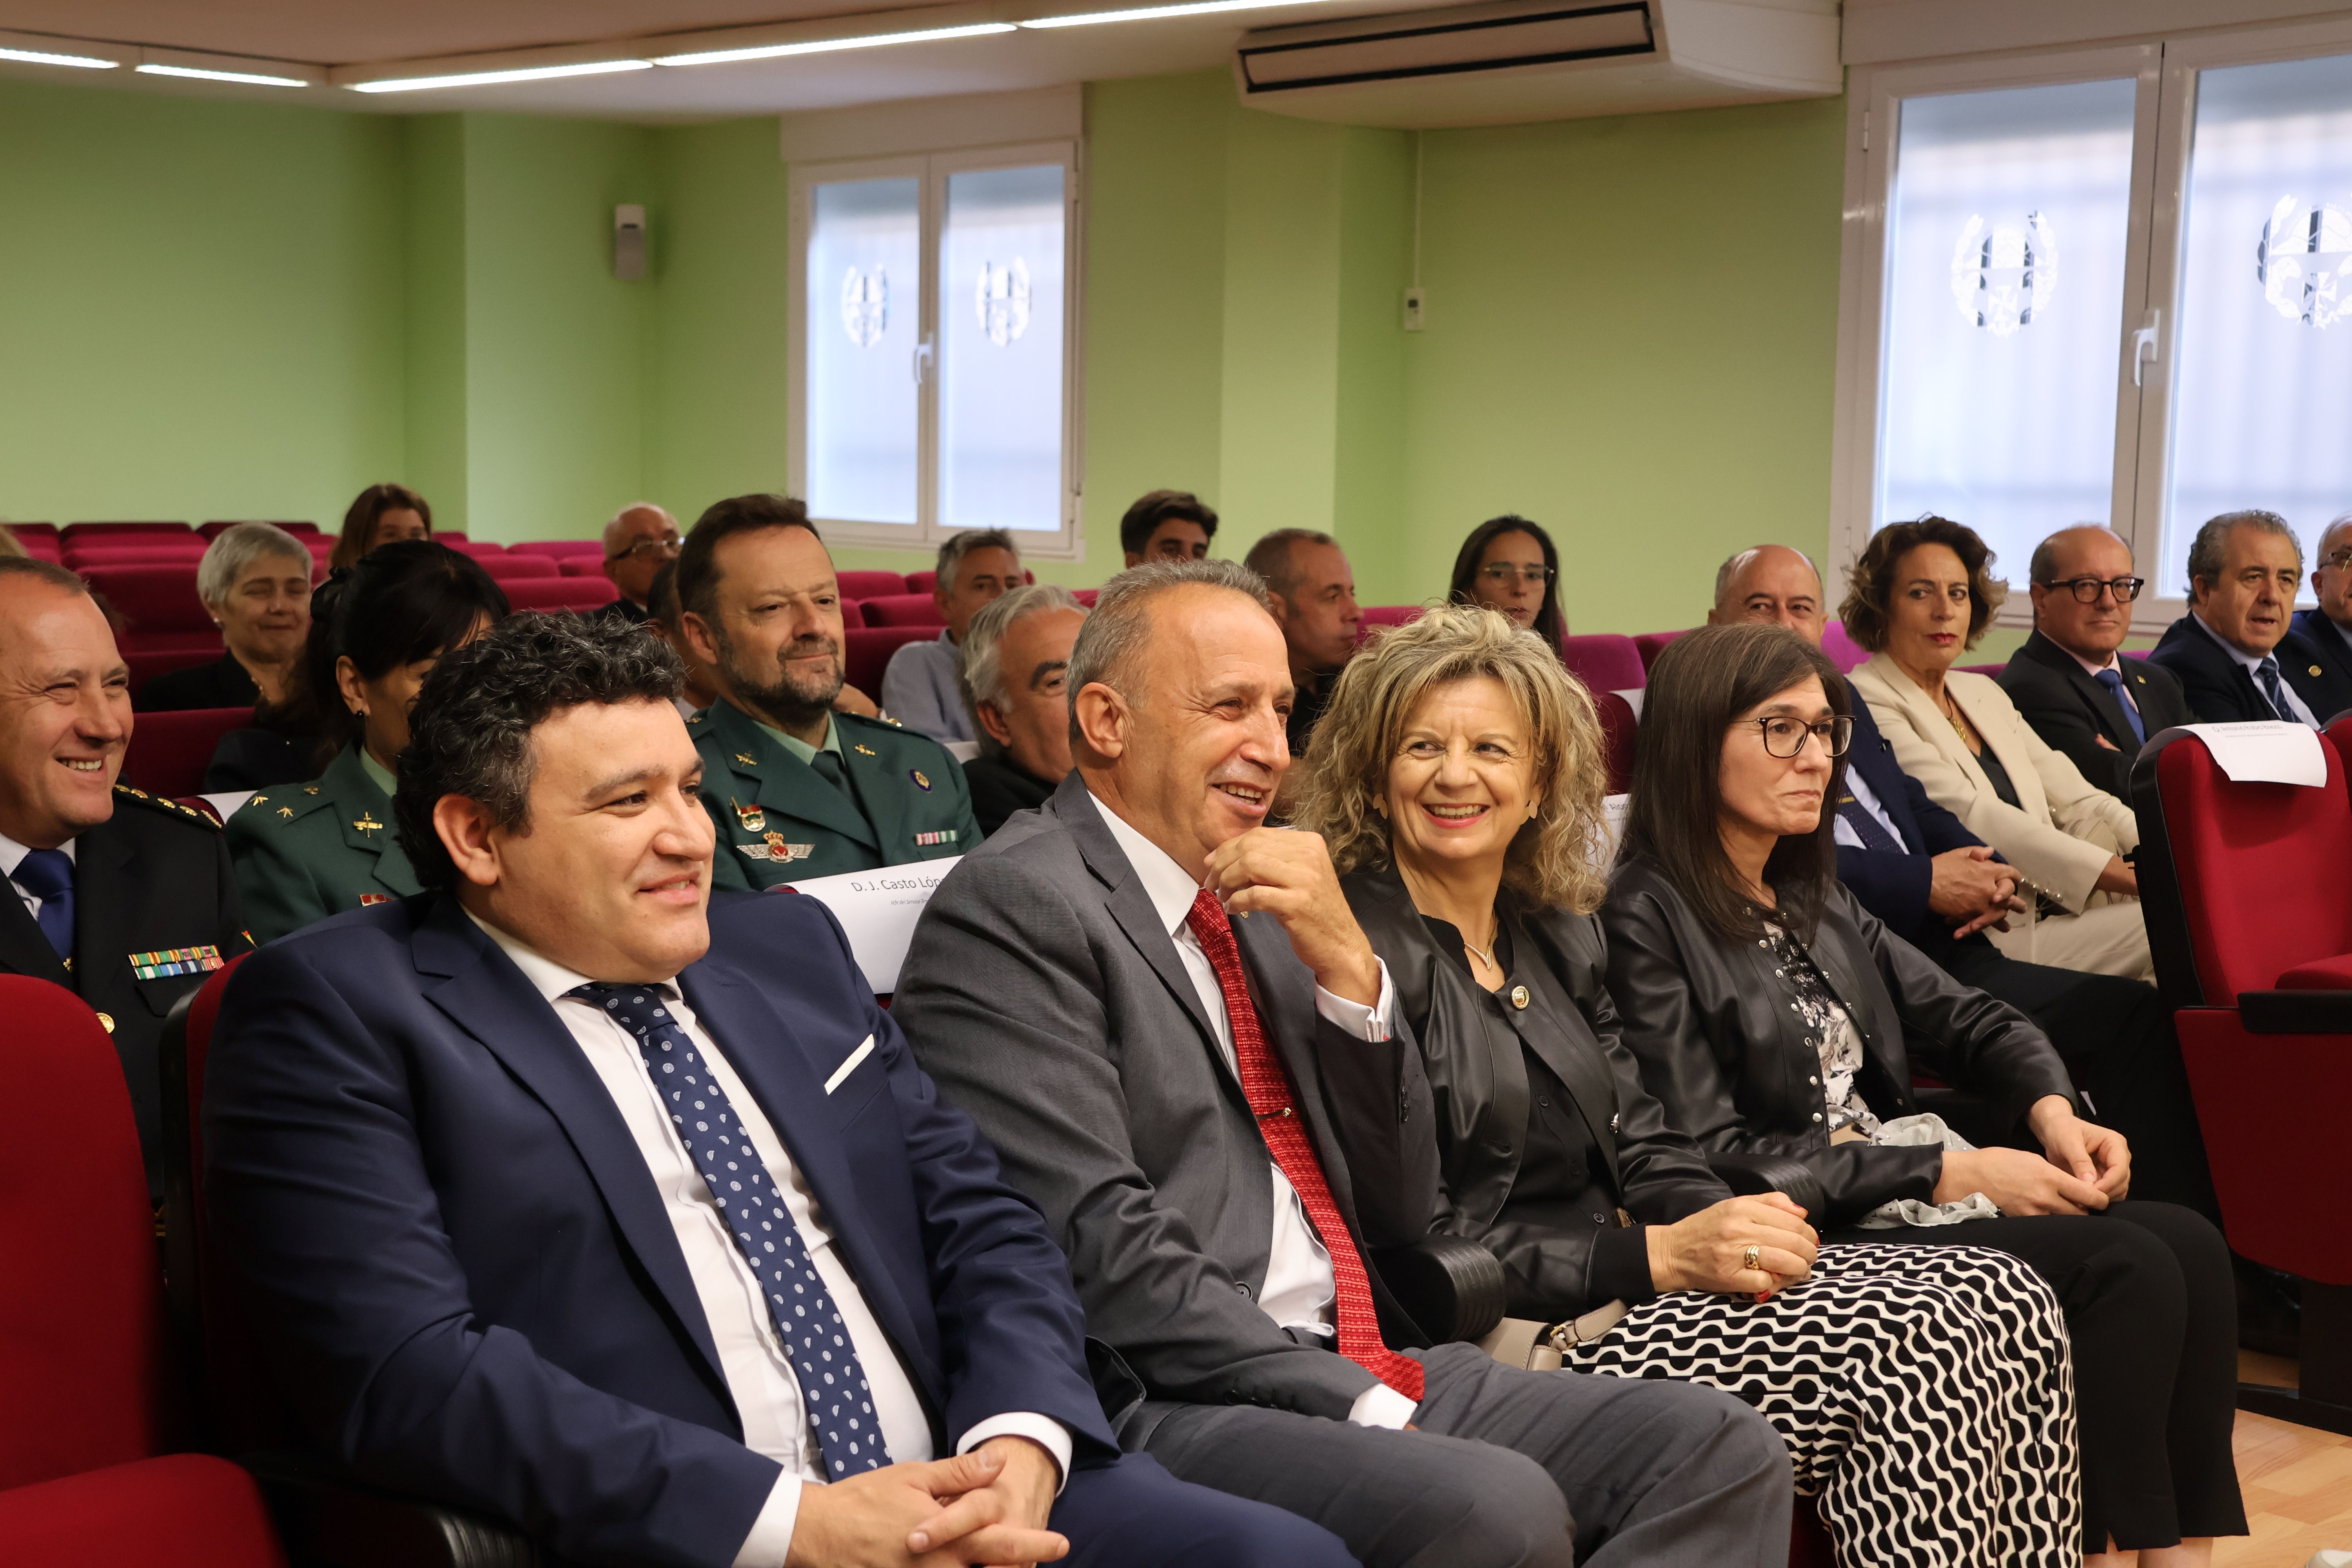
x,y
126,899
796,789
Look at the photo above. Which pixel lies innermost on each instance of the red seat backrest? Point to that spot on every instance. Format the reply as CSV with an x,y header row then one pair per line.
x,y
158,606
90,533
81,1372
1604,661
870,649
146,664
869,585
476,548
507,564
2259,868
902,610
561,549
921,582
168,751
211,529
24,531
1650,644
559,592
1842,651
1617,722
1085,596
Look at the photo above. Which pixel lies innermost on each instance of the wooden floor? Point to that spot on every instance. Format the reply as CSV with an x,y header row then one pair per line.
x,y
2297,1482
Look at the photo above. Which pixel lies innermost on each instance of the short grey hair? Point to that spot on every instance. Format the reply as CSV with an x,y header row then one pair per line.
x,y
1121,623
234,549
952,552
1728,573
979,671
2205,549
1272,555
2044,559
2331,530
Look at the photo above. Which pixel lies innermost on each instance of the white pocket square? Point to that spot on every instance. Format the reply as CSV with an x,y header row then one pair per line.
x,y
850,1066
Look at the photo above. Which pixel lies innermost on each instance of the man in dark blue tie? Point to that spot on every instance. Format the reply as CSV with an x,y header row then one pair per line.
x,y
562,1194
2236,652
2069,681
125,899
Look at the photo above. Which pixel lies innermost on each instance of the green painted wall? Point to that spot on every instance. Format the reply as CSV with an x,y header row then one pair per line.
x,y
201,305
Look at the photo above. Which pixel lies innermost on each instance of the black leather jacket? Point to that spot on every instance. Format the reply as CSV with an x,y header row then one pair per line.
x,y
1719,1044
1471,1047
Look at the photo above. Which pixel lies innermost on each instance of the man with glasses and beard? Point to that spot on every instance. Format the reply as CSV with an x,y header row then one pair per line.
x,y
796,788
2068,681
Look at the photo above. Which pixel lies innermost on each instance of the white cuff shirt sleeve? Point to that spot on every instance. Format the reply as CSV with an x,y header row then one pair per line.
x,y
771,1540
1042,1430
1369,1024
1380,1406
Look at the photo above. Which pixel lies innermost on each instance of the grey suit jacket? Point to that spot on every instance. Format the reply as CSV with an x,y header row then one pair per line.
x,y
1045,999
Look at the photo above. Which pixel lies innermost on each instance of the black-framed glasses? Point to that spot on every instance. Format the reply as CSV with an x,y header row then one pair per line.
x,y
1504,571
2086,590
1785,737
668,546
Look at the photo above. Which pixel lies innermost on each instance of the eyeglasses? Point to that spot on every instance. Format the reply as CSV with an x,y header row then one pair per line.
x,y
2086,590
1504,571
2341,560
668,546
1784,737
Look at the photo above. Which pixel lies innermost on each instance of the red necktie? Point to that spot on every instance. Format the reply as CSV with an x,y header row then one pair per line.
x,y
1267,1089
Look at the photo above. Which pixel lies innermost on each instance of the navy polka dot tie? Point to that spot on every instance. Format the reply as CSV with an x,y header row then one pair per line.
x,y
832,1384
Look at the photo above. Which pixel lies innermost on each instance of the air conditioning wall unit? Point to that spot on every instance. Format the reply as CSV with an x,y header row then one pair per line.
x,y
1516,60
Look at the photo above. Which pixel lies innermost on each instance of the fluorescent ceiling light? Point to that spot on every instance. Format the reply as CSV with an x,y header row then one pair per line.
x,y
827,46
251,78
492,78
36,57
1146,13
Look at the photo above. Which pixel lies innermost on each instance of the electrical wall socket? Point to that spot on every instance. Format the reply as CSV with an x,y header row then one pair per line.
x,y
1416,302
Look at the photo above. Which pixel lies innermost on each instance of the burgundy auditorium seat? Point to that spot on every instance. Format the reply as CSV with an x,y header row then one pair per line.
x,y
578,565
24,531
1086,595
168,751
2242,888
902,610
212,530
91,532
78,556
562,548
869,585
1379,615
1617,738
1604,661
476,548
1649,644
82,1365
559,593
507,564
921,582
146,667
869,649
159,608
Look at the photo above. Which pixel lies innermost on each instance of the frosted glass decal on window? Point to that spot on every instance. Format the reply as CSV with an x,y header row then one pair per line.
x,y
1000,311
2000,413
2002,275
2261,409
862,413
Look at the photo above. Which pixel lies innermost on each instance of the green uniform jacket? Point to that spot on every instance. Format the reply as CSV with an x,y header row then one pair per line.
x,y
306,851
778,820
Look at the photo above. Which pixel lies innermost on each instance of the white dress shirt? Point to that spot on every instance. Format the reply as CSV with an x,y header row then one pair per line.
x,y
2251,663
1299,1292
759,1374
1843,832
11,855
2124,690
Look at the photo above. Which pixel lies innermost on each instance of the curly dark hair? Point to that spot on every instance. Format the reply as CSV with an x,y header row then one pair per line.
x,y
469,733
1870,583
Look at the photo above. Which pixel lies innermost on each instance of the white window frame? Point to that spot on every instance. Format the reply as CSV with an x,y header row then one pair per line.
x,y
1066,542
2165,70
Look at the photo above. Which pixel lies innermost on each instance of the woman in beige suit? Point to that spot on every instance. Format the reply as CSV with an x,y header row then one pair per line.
x,y
1921,594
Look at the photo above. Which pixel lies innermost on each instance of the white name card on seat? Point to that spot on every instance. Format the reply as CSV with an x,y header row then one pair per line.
x,y
2268,751
878,910
1614,809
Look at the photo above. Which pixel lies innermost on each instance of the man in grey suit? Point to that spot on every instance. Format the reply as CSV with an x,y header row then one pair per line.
x,y
1165,1015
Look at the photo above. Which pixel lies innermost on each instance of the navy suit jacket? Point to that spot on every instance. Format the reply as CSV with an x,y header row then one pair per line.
x,y
461,1271
2221,692
1893,886
2334,653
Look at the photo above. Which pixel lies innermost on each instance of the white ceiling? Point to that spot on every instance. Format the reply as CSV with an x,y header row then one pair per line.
x,y
341,33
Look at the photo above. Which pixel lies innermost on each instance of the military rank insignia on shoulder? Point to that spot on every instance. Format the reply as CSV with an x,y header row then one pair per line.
x,y
168,806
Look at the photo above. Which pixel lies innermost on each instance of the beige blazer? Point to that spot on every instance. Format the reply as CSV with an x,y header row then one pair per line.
x,y
2062,831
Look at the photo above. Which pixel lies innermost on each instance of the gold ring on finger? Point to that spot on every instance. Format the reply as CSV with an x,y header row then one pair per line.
x,y
1753,1257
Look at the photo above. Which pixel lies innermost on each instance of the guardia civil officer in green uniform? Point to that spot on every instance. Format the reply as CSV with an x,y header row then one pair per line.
x,y
796,789
125,899
310,851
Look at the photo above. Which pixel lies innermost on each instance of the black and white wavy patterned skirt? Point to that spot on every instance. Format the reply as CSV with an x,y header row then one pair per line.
x,y
1926,1394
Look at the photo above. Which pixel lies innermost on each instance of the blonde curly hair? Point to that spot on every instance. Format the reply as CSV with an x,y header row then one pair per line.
x,y
1551,862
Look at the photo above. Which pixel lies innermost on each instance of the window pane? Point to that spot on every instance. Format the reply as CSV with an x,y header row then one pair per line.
x,y
2006,232
864,294
1001,350
2262,383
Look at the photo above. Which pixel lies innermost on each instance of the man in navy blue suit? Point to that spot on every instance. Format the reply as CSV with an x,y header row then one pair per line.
x,y
2328,626
1938,887
2239,652
559,1195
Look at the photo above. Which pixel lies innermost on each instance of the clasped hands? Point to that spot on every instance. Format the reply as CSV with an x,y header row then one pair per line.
x,y
988,1508
1708,1250
2081,1169
1969,886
